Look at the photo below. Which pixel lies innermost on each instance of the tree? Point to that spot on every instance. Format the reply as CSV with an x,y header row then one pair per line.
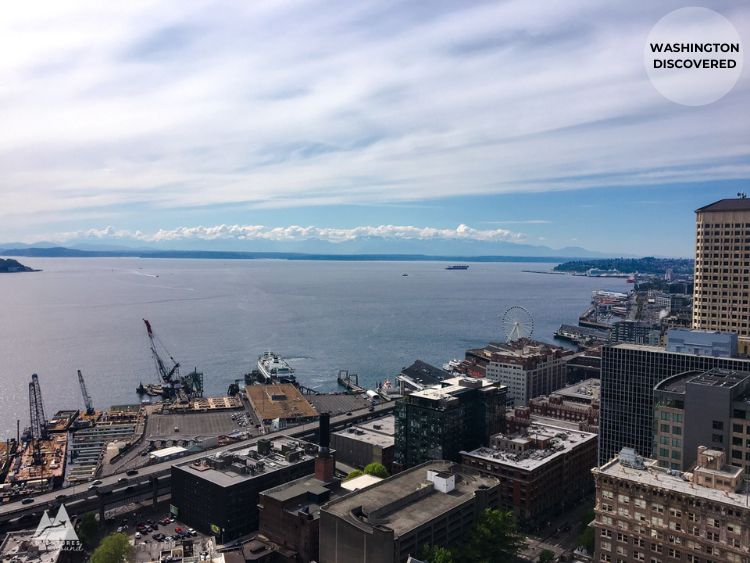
x,y
376,470
115,548
494,537
354,474
546,556
586,538
88,530
436,554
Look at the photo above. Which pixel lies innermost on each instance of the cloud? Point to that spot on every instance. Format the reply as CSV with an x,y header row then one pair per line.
x,y
162,104
298,233
520,222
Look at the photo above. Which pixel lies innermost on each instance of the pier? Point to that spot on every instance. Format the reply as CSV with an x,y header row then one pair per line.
x,y
350,381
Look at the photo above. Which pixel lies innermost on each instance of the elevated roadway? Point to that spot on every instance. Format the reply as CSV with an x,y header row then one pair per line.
x,y
151,481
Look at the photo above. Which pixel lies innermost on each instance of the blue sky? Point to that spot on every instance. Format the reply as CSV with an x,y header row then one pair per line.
x,y
523,121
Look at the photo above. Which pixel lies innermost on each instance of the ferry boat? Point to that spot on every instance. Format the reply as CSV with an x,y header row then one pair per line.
x,y
273,369
458,267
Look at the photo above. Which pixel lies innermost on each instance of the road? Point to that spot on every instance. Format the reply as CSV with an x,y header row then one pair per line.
x,y
143,483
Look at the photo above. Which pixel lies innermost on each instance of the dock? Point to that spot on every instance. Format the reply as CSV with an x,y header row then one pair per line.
x,y
350,381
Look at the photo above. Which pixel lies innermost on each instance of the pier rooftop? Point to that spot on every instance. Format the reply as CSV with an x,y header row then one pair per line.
x,y
279,401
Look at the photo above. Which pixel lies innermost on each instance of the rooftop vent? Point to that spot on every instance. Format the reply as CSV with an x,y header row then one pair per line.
x,y
629,458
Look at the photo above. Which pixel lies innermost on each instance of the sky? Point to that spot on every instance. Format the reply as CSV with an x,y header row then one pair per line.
x,y
512,121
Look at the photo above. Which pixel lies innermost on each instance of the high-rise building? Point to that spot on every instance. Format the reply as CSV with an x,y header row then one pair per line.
x,y
439,422
435,503
721,298
701,408
647,513
527,367
629,374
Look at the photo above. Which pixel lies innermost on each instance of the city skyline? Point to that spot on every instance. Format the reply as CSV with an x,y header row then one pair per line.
x,y
525,125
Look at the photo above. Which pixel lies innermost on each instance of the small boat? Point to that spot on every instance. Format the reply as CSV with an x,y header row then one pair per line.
x,y
458,267
404,275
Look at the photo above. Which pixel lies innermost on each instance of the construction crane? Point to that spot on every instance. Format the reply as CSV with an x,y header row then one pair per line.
x,y
38,419
86,397
185,387
167,375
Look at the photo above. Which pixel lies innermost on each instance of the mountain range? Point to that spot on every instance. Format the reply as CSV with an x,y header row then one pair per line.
x,y
361,246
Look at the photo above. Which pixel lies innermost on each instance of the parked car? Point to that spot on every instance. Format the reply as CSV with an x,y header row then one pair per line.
x,y
27,501
132,472
137,535
95,484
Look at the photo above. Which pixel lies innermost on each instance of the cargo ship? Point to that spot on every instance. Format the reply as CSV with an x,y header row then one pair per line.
x,y
458,267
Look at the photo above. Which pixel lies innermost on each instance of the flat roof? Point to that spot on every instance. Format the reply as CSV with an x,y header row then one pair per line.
x,y
715,377
367,433
337,403
281,400
303,486
663,350
165,452
657,478
585,390
451,387
424,373
729,204
210,467
385,425
387,497
360,482
521,348
564,440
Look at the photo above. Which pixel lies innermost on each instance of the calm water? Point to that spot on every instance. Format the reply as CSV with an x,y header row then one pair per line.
x,y
220,315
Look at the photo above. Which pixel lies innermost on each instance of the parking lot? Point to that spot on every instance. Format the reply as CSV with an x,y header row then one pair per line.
x,y
156,539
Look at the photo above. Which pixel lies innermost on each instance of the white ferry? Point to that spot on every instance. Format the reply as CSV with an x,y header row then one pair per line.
x,y
273,369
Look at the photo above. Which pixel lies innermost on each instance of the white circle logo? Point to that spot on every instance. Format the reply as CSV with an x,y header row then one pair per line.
x,y
693,56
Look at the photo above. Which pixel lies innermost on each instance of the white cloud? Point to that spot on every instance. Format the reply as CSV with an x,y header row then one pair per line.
x,y
298,233
163,104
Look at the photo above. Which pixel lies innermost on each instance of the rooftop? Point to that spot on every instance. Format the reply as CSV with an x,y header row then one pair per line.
x,y
454,386
521,348
583,391
424,373
558,440
650,475
379,432
360,482
229,468
337,403
732,204
407,500
44,544
715,377
279,401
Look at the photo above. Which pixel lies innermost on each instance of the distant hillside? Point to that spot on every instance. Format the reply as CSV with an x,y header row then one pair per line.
x,y
62,252
9,266
649,265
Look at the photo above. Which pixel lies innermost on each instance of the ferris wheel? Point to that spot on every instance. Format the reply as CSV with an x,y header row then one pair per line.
x,y
517,323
